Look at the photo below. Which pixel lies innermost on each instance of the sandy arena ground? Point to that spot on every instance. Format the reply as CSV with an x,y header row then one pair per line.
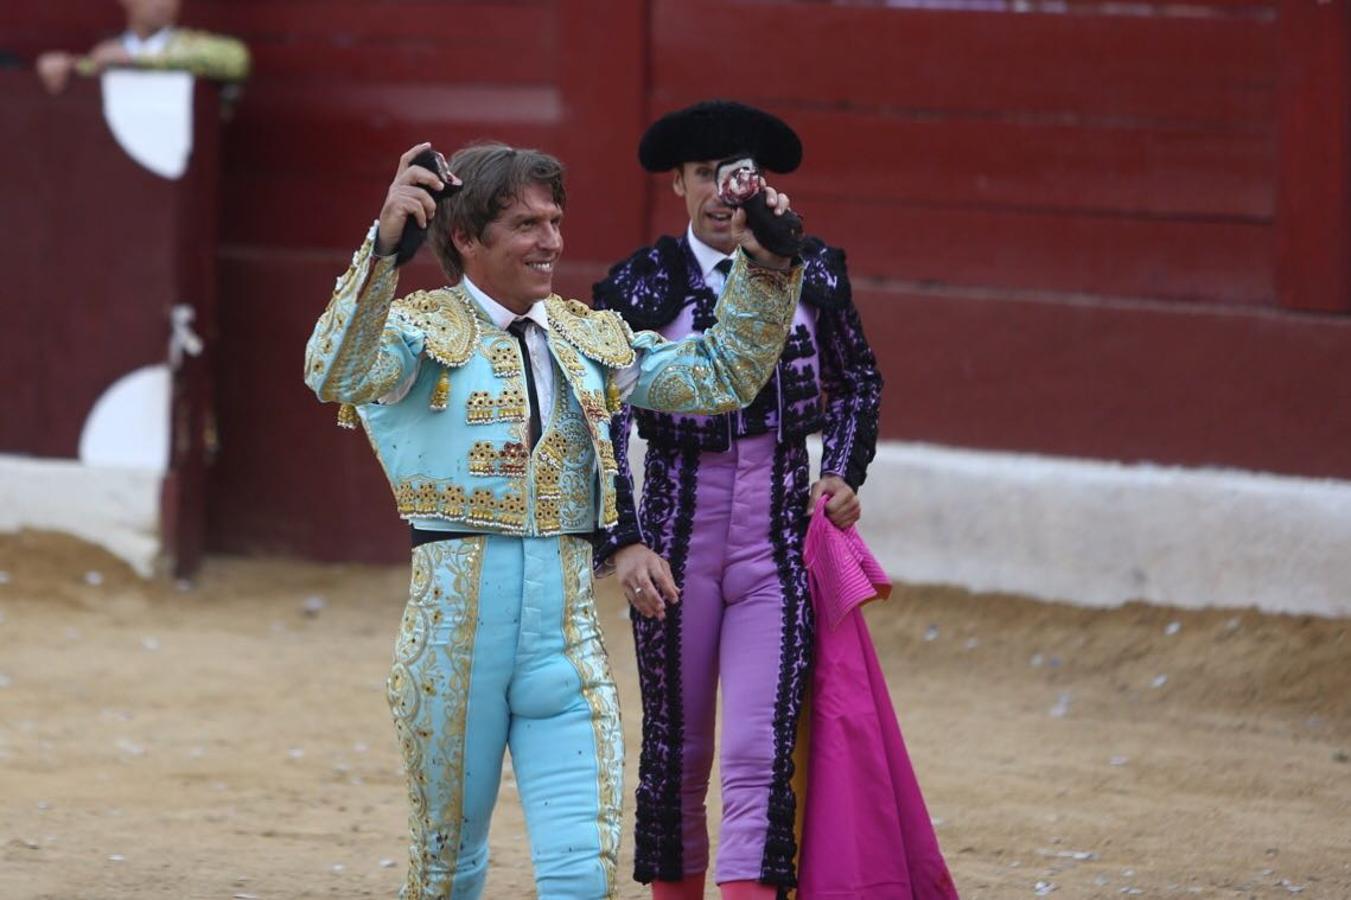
x,y
232,740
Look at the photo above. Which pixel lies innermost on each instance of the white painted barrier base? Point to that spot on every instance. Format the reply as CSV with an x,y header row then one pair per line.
x,y
1083,531
116,508
1099,534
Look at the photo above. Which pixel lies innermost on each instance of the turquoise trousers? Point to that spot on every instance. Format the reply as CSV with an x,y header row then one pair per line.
x,y
500,650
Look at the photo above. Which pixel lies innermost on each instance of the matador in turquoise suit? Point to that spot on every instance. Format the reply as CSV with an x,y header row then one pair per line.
x,y
488,405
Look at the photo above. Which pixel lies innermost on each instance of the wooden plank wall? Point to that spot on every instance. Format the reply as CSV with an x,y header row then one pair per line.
x,y
1062,220
341,89
1074,228
1128,156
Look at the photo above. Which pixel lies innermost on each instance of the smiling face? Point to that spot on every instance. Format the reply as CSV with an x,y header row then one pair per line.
x,y
513,262
712,220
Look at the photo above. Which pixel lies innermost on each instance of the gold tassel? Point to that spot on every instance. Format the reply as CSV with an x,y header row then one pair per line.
x,y
441,393
347,416
612,399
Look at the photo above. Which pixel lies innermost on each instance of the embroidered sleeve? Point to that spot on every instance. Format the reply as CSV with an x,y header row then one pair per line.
x,y
208,55
853,388
357,353
723,368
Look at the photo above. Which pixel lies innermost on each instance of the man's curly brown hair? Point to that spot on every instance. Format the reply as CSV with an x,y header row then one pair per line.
x,y
493,176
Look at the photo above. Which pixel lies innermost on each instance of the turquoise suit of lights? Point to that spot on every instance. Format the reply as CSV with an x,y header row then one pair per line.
x,y
499,647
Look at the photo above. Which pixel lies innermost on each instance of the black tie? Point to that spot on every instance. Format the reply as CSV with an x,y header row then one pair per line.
x,y
518,328
725,267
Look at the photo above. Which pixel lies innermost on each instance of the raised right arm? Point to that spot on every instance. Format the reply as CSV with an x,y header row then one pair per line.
x,y
356,355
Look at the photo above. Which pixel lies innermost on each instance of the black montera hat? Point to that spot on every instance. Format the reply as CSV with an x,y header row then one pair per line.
x,y
716,129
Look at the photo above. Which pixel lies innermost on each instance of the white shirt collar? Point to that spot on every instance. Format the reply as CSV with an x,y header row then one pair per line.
x,y
501,316
707,256
151,46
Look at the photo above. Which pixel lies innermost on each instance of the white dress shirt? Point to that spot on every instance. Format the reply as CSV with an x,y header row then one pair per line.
x,y
708,259
151,46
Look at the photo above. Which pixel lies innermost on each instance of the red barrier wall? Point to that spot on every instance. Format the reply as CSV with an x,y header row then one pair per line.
x,y
1083,232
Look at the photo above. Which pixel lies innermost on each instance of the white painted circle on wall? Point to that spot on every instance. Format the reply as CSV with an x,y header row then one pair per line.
x,y
150,115
129,424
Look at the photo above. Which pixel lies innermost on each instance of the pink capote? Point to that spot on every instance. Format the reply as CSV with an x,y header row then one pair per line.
x,y
866,834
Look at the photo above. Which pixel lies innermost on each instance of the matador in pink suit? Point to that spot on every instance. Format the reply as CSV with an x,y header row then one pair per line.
x,y
721,524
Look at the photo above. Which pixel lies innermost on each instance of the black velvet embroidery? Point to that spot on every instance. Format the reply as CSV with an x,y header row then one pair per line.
x,y
671,480
788,531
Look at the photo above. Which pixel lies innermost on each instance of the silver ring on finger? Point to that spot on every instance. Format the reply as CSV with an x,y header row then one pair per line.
x,y
637,591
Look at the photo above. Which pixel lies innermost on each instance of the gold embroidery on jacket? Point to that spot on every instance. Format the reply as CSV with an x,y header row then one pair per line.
x,y
361,369
504,354
487,459
483,408
600,335
448,324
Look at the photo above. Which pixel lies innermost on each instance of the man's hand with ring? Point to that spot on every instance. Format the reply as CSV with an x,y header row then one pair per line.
x,y
646,579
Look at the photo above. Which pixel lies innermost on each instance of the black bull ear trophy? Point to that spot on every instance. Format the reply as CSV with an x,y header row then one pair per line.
x,y
738,181
413,233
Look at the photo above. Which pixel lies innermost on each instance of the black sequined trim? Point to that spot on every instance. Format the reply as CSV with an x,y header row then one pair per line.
x,y
658,836
824,284
787,531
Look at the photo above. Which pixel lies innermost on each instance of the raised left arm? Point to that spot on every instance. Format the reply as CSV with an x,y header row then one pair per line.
x,y
723,368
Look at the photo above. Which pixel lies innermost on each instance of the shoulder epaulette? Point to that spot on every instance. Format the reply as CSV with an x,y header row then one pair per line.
x,y
600,335
445,318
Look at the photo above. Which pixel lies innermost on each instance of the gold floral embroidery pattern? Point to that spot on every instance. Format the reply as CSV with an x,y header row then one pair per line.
x,y
593,406
447,322
482,408
504,354
602,336
589,441
428,693
568,358
360,370
509,460
551,454
565,460
608,463
481,508
585,649
673,390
